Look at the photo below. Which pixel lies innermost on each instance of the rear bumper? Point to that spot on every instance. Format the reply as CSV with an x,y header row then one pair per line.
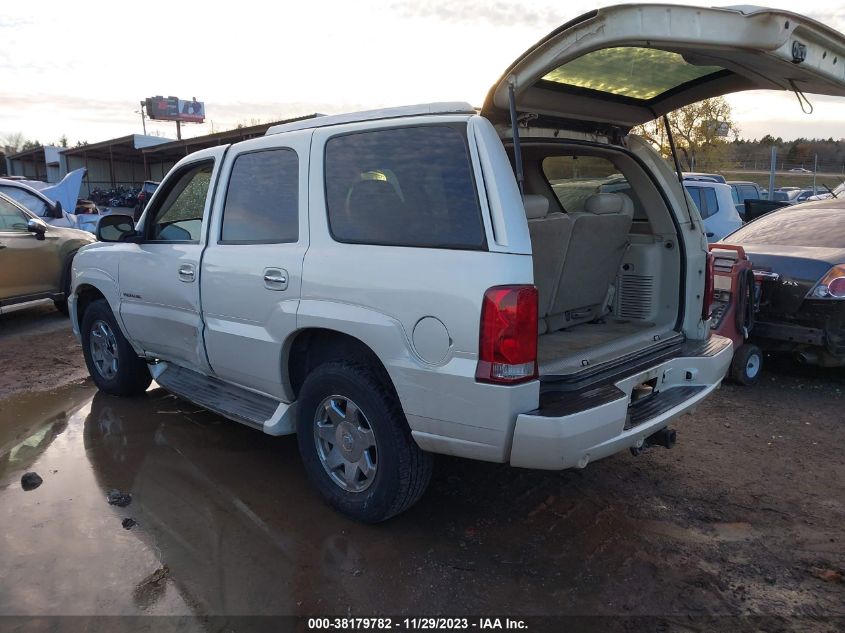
x,y
571,429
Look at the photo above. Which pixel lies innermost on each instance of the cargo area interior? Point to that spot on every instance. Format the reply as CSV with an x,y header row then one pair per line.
x,y
606,257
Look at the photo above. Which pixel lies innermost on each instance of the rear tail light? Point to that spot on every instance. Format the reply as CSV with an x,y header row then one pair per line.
x,y
507,351
707,301
831,286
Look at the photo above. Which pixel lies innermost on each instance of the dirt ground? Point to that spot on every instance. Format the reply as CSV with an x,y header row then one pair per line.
x,y
37,349
739,527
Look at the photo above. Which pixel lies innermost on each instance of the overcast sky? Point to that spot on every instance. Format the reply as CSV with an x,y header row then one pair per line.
x,y
81,69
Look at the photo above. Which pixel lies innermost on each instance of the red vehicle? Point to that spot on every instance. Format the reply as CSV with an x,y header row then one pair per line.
x,y
736,298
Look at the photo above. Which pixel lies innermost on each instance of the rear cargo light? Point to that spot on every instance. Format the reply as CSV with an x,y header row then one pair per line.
x,y
831,286
507,350
707,300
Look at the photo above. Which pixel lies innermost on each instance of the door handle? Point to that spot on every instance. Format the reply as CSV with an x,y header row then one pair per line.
x,y
186,272
275,279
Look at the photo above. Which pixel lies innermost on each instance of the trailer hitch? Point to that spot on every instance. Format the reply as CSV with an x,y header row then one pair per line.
x,y
665,437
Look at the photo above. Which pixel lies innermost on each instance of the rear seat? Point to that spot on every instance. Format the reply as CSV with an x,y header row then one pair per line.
x,y
599,239
550,233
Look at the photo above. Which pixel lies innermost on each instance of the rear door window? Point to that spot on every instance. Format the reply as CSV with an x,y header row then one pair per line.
x,y
705,200
262,201
748,192
409,186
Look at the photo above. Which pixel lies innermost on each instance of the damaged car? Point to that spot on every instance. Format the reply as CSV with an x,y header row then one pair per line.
x,y
799,261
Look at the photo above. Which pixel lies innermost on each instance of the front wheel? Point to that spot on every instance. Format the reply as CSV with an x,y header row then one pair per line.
x,y
111,361
355,443
746,364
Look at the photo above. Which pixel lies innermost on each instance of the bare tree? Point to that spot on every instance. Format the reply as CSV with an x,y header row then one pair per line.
x,y
13,143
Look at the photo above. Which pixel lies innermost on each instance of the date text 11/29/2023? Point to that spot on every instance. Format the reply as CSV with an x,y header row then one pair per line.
x,y
416,624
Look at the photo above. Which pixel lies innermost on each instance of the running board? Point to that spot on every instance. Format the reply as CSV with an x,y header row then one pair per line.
x,y
233,402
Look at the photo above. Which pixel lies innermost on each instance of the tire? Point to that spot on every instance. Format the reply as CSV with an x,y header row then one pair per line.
x,y
746,365
113,364
376,436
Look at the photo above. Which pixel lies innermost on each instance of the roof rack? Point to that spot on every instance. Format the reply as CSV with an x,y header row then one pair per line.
x,y
447,107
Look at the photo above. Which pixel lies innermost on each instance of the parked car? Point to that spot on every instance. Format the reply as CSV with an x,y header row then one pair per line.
x,y
85,216
377,284
35,258
144,195
716,207
692,175
787,196
800,170
804,195
742,190
799,254
36,202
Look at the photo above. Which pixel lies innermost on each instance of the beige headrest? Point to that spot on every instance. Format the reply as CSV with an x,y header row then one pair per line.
x,y
602,203
627,205
536,207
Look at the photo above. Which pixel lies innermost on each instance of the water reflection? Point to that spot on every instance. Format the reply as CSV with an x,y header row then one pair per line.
x,y
228,509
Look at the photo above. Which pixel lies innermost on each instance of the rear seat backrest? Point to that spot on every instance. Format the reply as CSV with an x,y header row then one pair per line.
x,y
596,248
550,233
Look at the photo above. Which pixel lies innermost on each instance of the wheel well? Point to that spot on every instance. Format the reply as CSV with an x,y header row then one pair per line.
x,y
66,272
313,347
86,295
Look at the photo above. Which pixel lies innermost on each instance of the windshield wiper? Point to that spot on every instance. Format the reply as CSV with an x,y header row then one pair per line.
x,y
829,190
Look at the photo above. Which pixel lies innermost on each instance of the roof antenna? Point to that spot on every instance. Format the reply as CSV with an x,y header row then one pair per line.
x,y
517,149
802,98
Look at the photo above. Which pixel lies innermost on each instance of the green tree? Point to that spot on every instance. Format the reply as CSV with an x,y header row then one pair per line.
x,y
695,131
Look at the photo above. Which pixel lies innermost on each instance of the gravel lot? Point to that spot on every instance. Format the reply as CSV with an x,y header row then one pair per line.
x,y
743,518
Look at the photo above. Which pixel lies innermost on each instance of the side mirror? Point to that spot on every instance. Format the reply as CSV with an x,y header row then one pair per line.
x,y
39,227
116,228
55,211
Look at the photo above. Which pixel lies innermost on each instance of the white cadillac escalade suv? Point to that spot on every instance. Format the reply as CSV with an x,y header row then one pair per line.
x,y
525,285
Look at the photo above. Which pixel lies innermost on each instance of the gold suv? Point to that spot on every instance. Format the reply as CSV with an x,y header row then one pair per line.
x,y
35,257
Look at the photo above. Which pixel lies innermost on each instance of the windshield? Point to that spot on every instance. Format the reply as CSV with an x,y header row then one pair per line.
x,y
30,201
795,227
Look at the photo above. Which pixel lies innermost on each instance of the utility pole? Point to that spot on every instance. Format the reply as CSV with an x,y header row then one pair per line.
x,y
178,129
773,166
815,170
143,119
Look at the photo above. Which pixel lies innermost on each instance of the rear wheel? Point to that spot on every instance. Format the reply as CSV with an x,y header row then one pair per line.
x,y
355,443
746,365
111,361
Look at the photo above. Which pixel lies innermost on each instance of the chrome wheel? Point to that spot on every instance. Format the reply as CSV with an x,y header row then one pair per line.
x,y
103,346
345,444
752,366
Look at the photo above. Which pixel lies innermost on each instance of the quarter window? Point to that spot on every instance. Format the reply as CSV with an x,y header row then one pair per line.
x,y
403,187
179,218
573,179
262,198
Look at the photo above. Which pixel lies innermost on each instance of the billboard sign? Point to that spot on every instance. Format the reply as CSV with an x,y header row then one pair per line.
x,y
175,109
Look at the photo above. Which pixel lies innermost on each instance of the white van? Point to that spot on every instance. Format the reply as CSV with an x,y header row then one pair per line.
x,y
716,206
421,280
